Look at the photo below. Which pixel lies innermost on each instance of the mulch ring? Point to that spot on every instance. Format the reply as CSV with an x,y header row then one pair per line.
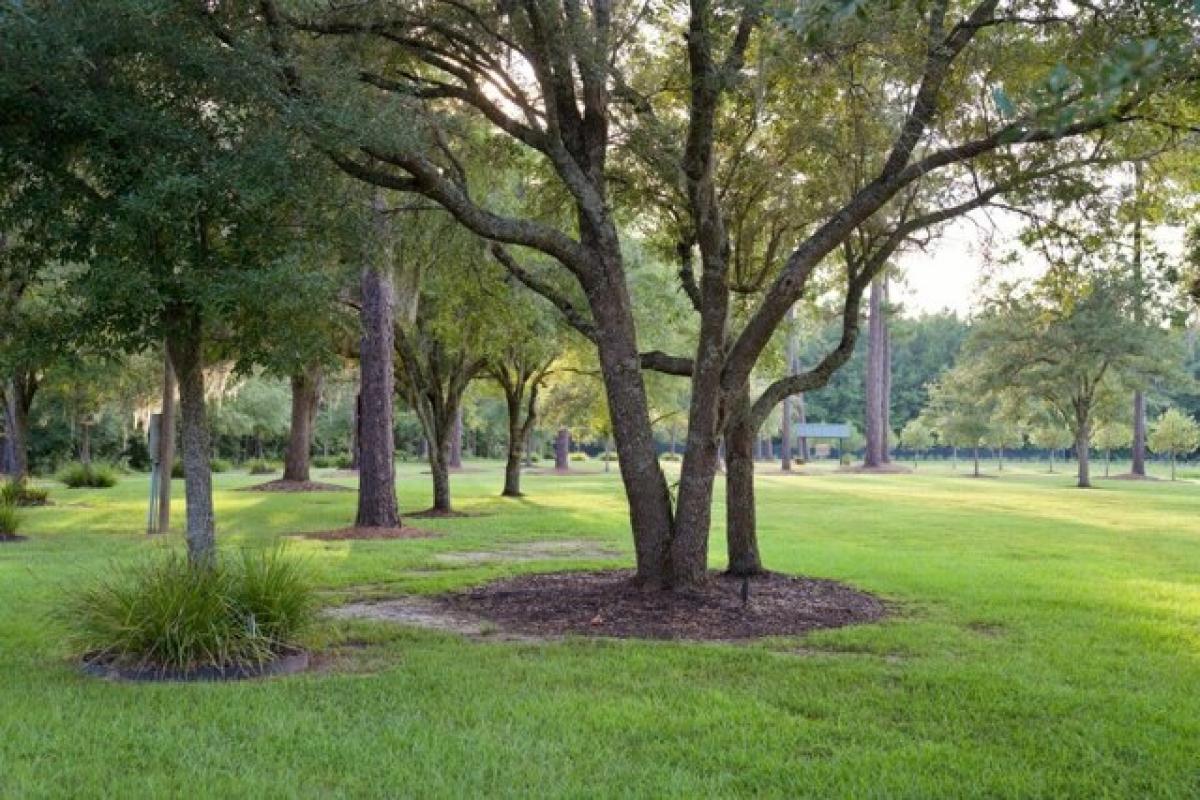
x,y
353,533
296,486
609,604
882,469
287,662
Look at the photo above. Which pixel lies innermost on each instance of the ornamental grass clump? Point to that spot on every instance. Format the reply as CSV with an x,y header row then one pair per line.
x,y
88,476
164,613
18,492
10,521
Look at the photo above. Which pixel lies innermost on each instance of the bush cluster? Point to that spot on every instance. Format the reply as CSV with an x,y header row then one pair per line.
x,y
672,457
18,492
78,475
165,613
261,466
579,455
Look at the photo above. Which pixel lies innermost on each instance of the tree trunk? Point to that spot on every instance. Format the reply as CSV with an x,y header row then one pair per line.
x,y
306,394
785,420
1172,465
17,396
439,468
876,442
1051,460
802,418
356,429
976,455
1107,460
377,506
741,533
1139,434
516,438
166,444
1083,438
85,444
641,473
456,440
885,394
562,450
185,344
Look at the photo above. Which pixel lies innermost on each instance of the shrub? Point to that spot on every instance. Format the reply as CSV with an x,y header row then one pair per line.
x,y
261,466
344,461
177,470
219,465
608,456
93,476
163,613
325,462
672,457
20,493
10,520
579,456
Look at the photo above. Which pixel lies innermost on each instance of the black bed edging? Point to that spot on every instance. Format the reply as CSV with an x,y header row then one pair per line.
x,y
284,664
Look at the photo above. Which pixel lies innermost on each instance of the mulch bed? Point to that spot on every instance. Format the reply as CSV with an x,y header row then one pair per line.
x,y
886,469
609,604
296,486
352,534
436,513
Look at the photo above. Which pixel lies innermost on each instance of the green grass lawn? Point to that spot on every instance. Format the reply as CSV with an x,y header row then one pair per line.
x,y
1047,644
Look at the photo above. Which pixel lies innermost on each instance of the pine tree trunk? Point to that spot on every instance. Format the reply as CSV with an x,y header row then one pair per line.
x,y
802,418
1139,434
306,394
377,506
741,526
185,343
874,379
885,392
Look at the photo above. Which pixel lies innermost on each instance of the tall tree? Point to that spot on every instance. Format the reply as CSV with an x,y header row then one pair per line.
x,y
558,80
1067,342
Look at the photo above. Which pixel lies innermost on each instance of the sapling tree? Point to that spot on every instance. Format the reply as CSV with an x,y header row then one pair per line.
x,y
961,411
1174,434
916,436
1112,435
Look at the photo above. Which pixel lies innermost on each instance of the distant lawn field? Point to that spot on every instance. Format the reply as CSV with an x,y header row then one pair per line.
x,y
1046,643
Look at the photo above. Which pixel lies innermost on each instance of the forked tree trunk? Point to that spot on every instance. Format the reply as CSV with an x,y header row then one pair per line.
x,y
740,524
377,506
185,343
1139,434
562,450
306,394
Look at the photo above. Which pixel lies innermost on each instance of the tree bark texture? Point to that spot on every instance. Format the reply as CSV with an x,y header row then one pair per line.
x,y
185,345
19,392
740,524
876,440
562,450
306,395
377,507
1139,434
